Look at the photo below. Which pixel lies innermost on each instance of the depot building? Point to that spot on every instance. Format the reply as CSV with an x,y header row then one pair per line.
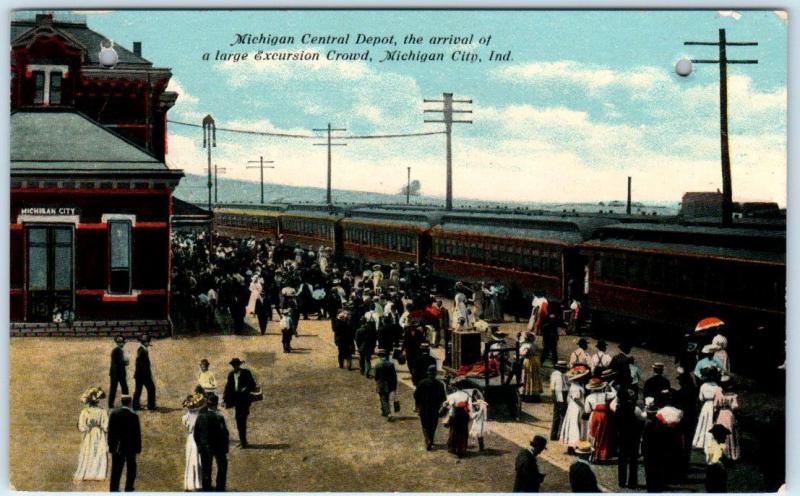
x,y
91,196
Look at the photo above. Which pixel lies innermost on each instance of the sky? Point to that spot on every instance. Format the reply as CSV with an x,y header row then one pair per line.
x,y
587,99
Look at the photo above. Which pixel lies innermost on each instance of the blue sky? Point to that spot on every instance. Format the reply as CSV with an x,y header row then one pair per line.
x,y
588,99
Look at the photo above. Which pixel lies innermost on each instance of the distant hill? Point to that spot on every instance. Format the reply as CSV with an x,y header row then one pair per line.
x,y
193,189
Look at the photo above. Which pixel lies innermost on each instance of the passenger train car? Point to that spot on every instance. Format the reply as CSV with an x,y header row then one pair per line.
x,y
655,279
626,269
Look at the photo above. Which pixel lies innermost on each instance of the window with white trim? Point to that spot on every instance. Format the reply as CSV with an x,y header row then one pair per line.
x,y
121,254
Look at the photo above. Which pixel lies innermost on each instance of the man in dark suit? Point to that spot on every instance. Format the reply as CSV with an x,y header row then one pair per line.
x,y
528,478
212,438
117,372
263,310
237,395
581,475
429,397
385,382
656,385
621,365
143,375
124,443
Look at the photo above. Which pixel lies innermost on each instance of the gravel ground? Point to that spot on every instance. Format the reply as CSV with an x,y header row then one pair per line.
x,y
318,429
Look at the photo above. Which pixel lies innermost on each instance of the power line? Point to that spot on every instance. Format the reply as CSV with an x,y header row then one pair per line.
x,y
309,136
261,161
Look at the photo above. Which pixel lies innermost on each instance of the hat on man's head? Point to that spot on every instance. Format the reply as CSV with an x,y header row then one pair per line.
x,y
205,361
424,346
119,338
583,448
561,365
236,361
144,338
583,343
212,399
601,344
432,368
625,347
539,441
381,352
658,366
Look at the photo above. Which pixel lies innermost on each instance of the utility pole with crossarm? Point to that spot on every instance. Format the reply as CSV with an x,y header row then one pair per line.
x,y
329,144
261,166
723,61
447,119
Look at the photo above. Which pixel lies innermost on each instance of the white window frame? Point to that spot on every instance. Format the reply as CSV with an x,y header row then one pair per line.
x,y
47,69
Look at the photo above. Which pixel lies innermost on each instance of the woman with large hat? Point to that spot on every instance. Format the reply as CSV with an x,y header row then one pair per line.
x,y
93,424
708,391
597,406
192,476
573,429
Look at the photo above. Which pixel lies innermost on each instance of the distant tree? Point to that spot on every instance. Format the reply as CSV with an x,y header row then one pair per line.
x,y
415,187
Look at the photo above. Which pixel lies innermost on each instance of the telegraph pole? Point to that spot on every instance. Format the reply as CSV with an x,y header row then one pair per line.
x,y
261,166
329,144
209,141
723,61
447,119
408,187
216,181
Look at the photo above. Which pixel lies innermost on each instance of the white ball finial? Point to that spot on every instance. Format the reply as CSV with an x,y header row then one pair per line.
x,y
108,56
683,67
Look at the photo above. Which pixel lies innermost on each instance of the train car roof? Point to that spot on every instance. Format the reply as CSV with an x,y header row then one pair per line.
x,y
252,206
704,230
542,235
310,214
584,227
246,211
703,251
410,215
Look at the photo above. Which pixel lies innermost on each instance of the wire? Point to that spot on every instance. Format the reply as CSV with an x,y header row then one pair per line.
x,y
308,136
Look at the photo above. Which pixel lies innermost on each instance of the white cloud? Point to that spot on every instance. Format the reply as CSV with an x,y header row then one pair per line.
x,y
183,95
734,14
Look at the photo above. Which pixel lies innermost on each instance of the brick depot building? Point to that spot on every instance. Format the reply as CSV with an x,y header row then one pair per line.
x,y
91,196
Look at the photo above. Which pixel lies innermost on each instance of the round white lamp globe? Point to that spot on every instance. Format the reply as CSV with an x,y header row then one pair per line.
x,y
683,67
108,56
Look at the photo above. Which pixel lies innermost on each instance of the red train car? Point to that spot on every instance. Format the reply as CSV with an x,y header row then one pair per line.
x,y
386,236
671,276
539,253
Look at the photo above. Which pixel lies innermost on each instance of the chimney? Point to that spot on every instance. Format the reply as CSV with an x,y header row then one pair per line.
x,y
44,19
137,48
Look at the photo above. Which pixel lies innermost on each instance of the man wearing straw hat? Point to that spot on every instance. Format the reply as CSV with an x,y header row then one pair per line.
x,y
581,475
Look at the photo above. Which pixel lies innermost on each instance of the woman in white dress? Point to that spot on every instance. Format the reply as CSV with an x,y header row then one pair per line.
x,y
192,478
255,289
461,313
93,423
573,428
705,421
479,413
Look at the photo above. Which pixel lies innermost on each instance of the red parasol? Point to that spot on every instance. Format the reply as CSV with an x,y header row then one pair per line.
x,y
707,324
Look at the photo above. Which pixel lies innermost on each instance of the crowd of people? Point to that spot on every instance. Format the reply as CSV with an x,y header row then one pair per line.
x,y
603,409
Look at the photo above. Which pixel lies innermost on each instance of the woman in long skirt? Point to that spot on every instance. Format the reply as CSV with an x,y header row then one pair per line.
x,y
533,374
93,423
708,391
459,430
479,413
192,475
573,428
726,403
598,401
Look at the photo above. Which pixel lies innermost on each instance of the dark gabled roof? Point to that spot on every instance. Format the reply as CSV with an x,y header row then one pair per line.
x,y
45,141
89,39
181,208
